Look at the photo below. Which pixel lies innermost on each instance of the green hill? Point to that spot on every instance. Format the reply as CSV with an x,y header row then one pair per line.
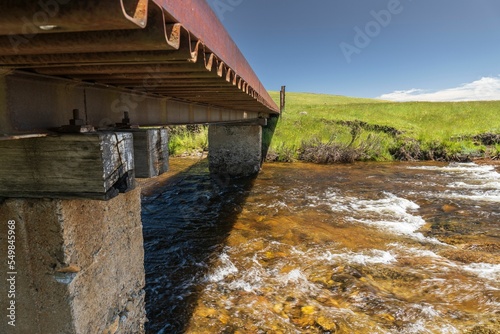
x,y
330,128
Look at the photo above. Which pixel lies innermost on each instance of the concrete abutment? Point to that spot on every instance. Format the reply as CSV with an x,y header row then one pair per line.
x,y
79,265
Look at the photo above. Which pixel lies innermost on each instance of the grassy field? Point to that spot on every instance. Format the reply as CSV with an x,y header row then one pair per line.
x,y
327,128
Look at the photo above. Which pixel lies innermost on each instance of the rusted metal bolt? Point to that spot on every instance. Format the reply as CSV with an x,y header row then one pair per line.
x,y
126,118
76,118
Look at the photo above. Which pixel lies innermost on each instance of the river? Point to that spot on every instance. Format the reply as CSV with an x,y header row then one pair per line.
x,y
304,248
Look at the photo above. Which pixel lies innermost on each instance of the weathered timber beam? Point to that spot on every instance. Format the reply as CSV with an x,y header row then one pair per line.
x,y
150,152
96,166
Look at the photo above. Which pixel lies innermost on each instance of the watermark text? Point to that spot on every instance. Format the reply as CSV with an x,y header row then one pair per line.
x,y
38,22
372,29
221,7
11,272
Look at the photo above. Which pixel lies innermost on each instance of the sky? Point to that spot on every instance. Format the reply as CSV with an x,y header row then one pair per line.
x,y
401,50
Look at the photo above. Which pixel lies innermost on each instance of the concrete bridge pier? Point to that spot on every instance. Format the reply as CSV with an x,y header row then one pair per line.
x,y
78,266
239,149
235,149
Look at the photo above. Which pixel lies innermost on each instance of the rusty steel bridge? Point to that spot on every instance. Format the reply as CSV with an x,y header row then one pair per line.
x,y
164,62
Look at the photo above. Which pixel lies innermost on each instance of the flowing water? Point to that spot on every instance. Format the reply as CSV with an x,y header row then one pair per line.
x,y
361,248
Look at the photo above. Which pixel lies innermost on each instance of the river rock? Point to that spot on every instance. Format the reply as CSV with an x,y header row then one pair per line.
x,y
447,208
308,310
327,300
113,328
327,324
236,239
466,256
205,312
482,330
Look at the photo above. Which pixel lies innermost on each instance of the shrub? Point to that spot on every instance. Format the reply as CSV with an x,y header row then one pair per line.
x,y
187,139
406,149
327,153
282,153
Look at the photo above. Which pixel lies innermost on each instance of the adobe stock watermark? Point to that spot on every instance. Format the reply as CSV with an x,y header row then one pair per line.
x,y
372,29
40,21
221,7
11,273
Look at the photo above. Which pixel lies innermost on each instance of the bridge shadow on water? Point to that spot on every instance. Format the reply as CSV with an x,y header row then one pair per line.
x,y
185,225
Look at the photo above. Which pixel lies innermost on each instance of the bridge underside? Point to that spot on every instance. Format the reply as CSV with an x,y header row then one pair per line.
x,y
163,62
30,103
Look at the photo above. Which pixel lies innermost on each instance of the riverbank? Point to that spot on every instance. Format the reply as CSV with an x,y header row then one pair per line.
x,y
330,129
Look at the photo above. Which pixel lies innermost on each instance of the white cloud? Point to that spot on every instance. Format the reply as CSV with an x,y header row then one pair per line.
x,y
485,89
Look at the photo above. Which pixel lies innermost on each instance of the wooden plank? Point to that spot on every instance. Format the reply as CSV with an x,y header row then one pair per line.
x,y
150,152
97,166
162,149
142,154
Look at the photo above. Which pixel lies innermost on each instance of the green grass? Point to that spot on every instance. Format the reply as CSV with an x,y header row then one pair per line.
x,y
186,140
434,127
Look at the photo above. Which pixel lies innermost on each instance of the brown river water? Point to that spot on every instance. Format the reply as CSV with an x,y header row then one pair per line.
x,y
304,248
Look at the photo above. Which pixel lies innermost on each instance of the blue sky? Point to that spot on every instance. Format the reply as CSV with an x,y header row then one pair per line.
x,y
395,49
